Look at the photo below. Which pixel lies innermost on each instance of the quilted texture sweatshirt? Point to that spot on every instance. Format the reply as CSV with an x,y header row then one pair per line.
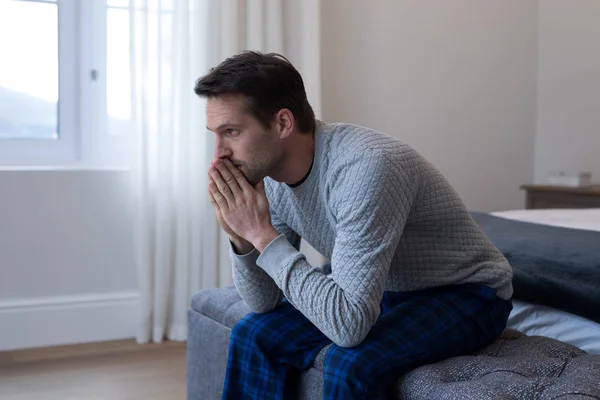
x,y
384,217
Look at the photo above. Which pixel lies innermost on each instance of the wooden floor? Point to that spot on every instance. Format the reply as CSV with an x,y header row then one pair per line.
x,y
120,370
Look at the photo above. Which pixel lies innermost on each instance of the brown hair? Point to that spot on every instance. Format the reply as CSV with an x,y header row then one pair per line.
x,y
269,83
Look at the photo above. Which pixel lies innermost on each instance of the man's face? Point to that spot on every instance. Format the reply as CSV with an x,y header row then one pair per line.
x,y
256,151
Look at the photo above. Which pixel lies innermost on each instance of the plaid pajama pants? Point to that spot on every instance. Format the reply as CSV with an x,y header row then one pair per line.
x,y
414,329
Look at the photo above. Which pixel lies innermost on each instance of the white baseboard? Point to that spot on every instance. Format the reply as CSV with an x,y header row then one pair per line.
x,y
39,322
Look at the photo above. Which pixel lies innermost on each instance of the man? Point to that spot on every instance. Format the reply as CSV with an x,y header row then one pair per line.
x,y
412,279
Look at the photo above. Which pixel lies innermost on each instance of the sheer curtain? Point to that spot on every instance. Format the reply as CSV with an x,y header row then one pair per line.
x,y
179,246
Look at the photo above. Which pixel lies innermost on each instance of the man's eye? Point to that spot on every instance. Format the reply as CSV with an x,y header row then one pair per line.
x,y
231,132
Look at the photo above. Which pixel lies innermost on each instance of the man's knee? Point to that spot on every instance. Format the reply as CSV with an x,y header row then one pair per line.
x,y
265,327
252,327
354,366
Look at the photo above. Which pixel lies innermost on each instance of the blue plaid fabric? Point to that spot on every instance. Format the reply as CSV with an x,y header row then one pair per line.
x,y
414,329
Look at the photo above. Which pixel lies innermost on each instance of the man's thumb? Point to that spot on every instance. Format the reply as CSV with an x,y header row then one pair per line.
x,y
260,187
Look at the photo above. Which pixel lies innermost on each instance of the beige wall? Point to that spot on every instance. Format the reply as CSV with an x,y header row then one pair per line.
x,y
64,233
455,79
568,92
66,258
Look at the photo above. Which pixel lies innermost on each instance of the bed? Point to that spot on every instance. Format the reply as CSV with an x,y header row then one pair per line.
x,y
556,317
549,351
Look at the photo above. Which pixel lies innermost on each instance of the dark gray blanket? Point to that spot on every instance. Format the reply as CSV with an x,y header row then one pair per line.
x,y
554,266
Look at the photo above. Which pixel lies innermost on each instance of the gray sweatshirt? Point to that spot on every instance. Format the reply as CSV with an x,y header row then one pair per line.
x,y
385,218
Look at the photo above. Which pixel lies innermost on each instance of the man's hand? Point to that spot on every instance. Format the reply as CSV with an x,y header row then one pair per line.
x,y
241,245
243,208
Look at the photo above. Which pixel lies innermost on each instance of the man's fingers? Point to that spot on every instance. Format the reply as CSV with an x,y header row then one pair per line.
x,y
237,175
227,175
223,188
211,198
216,198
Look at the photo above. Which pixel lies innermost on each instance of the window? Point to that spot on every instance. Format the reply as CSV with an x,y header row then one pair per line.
x,y
118,95
64,83
28,93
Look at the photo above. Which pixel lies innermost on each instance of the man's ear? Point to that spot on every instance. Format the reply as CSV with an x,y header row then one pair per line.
x,y
284,122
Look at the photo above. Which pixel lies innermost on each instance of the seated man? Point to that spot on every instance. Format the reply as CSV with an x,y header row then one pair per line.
x,y
412,279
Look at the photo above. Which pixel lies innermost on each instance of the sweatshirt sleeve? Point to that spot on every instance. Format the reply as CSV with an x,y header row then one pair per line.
x,y
371,202
254,285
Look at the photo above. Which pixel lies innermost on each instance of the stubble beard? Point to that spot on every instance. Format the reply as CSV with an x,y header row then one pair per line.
x,y
263,169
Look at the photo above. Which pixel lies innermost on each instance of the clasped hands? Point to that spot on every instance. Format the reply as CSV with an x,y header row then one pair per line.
x,y
242,210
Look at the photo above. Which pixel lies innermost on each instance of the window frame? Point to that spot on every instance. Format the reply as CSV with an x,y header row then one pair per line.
x,y
83,140
103,148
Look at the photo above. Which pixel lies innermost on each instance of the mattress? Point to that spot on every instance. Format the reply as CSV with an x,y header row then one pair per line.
x,y
535,319
581,218
539,320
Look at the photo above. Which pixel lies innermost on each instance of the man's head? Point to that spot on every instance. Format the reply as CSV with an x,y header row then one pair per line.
x,y
254,102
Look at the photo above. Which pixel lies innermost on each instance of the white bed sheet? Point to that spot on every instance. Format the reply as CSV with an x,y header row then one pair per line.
x,y
580,218
535,319
539,320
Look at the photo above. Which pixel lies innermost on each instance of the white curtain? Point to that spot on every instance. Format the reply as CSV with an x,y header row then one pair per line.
x,y
179,246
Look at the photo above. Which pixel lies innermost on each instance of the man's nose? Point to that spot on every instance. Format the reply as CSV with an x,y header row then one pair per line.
x,y
222,151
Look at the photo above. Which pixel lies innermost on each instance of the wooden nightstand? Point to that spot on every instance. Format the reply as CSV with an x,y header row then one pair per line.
x,y
547,196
